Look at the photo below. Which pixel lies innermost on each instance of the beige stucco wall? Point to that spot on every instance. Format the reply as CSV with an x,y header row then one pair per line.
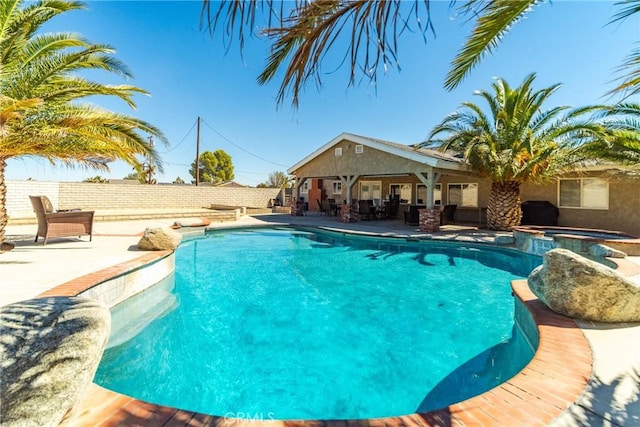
x,y
623,213
370,162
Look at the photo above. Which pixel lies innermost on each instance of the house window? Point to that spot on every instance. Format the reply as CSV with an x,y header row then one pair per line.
x,y
402,190
304,188
371,190
337,187
421,193
338,151
585,193
359,149
463,195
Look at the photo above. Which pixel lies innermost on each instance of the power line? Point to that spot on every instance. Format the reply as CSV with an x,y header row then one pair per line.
x,y
176,164
181,141
240,148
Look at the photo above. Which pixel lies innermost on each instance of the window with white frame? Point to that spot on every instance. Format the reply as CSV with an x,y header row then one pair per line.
x,y
584,193
304,188
421,193
337,187
463,195
359,149
338,151
402,190
371,190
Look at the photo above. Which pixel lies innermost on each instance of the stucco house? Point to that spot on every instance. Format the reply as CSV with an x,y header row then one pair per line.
x,y
353,167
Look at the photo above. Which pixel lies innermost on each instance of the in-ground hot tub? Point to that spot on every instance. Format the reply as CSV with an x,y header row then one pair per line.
x,y
539,239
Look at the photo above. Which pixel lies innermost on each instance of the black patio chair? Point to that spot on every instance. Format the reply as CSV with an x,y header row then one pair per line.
x,y
447,215
412,216
365,210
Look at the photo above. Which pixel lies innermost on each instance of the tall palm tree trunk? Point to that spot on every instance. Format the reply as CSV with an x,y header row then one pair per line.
x,y
4,218
504,211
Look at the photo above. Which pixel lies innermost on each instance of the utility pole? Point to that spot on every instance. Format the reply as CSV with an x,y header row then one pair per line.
x,y
149,164
198,152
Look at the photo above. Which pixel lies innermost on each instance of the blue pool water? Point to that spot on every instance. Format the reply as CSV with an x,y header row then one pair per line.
x,y
289,324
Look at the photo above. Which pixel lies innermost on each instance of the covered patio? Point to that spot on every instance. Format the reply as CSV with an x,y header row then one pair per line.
x,y
351,168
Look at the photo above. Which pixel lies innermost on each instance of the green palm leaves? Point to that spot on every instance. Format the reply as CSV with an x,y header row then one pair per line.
x,y
40,109
305,31
516,139
43,108
621,142
494,20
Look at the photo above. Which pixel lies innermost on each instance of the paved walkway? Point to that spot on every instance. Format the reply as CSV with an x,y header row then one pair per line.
x,y
613,394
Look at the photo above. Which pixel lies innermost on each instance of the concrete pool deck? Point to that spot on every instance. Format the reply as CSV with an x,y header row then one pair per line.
x,y
611,396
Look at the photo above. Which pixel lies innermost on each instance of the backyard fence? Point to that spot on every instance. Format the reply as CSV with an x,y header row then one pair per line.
x,y
101,197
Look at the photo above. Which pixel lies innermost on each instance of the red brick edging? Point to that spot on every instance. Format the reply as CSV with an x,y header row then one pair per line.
x,y
542,391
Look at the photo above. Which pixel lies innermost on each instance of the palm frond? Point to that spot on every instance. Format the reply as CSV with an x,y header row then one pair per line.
x,y
631,7
40,112
630,79
514,139
495,19
304,31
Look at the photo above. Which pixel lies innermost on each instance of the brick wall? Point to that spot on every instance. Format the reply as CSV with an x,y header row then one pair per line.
x,y
89,196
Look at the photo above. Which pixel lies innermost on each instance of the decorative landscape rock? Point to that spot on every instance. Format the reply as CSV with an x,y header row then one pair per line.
x,y
578,287
159,239
600,250
504,240
50,349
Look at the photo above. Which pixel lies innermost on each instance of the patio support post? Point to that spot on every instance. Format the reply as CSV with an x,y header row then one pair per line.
x,y
429,218
297,205
429,181
349,211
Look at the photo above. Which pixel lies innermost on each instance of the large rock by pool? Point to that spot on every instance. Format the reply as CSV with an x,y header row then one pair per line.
x,y
578,287
50,349
159,239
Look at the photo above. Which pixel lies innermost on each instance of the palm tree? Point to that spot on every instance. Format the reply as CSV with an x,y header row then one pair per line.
x,y
41,108
515,141
304,31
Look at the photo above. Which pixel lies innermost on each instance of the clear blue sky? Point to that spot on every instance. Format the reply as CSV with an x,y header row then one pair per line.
x,y
189,74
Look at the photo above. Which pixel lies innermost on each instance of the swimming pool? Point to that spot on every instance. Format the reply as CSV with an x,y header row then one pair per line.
x,y
326,327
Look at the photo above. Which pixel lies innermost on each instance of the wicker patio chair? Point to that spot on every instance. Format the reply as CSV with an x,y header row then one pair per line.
x,y
60,223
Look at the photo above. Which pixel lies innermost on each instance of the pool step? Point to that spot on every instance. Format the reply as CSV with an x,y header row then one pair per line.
x,y
128,321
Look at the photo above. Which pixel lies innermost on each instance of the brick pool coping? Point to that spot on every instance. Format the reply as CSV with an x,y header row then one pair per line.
x,y
554,379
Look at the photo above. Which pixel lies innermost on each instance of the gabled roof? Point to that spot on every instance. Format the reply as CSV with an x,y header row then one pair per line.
x,y
429,157
230,184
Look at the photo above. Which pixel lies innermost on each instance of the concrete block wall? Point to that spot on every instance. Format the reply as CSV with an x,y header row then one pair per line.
x,y
18,193
90,196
